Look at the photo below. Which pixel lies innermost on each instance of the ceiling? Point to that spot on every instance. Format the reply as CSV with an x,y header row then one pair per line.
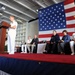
x,y
23,10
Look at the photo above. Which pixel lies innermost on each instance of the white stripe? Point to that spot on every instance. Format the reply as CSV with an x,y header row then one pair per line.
x,y
70,22
67,6
70,14
46,39
58,31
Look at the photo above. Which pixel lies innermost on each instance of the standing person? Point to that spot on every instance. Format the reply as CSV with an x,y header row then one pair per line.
x,y
65,39
72,43
34,42
12,35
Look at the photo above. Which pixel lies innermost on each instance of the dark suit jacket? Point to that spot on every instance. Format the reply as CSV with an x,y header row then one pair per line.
x,y
35,41
55,38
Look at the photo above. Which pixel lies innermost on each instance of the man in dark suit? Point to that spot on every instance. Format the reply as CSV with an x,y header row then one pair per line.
x,y
35,42
51,47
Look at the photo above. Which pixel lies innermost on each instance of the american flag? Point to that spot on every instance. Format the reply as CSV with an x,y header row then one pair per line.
x,y
57,17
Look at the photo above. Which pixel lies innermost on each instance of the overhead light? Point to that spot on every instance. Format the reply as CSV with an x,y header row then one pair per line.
x,y
3,8
37,10
1,14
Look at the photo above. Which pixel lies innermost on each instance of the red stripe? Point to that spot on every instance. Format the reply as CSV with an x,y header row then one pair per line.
x,y
70,18
49,35
68,2
71,26
70,10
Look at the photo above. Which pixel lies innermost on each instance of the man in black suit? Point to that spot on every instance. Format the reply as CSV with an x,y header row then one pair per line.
x,y
51,47
35,42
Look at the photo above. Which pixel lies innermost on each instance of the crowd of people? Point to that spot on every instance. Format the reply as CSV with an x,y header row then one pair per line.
x,y
57,45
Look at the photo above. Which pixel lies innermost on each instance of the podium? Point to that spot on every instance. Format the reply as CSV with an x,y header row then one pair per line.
x,y
3,27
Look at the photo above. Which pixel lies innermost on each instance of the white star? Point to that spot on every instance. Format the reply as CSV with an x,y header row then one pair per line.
x,y
62,15
60,18
63,20
61,23
62,10
57,11
47,9
59,8
59,26
46,12
40,20
47,21
55,19
55,15
51,20
49,28
56,6
64,26
58,21
54,27
46,17
40,11
54,9
50,16
56,24
43,26
52,12
61,5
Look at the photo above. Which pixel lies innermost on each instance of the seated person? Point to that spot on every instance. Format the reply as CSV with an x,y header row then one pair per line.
x,y
51,48
34,42
72,44
65,39
27,45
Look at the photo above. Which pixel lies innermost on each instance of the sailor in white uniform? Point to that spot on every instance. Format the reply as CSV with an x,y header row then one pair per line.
x,y
12,35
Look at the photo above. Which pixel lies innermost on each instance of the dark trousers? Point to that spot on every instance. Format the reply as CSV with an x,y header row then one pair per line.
x,y
51,48
35,49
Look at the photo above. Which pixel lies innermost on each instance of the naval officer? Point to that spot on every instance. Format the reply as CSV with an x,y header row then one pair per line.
x,y
12,35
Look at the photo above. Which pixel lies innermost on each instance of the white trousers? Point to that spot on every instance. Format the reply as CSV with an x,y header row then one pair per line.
x,y
25,47
72,46
11,42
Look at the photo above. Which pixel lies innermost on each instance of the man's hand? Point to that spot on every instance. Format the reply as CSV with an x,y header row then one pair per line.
x,y
13,27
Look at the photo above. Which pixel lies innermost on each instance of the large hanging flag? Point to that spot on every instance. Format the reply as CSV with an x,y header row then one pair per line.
x,y
57,17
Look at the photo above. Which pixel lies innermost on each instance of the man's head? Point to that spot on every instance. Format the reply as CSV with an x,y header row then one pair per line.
x,y
29,37
54,32
65,32
11,18
35,36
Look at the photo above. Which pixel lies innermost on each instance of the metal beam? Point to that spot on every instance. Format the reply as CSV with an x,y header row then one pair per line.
x,y
25,5
39,3
15,7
